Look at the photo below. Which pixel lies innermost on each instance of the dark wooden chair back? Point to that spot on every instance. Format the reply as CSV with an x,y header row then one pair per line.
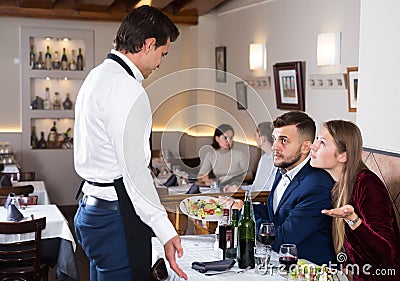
x,y
22,259
17,190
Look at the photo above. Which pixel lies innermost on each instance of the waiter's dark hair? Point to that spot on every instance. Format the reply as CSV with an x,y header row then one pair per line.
x,y
143,23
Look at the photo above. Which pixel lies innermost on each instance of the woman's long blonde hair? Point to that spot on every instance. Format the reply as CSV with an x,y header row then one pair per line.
x,y
347,138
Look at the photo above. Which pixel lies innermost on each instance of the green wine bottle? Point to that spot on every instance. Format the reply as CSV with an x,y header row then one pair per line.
x,y
246,235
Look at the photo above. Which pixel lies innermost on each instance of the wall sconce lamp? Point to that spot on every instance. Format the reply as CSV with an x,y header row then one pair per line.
x,y
258,56
328,48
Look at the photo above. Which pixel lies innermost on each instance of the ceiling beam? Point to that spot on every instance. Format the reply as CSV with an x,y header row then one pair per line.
x,y
38,4
93,5
70,14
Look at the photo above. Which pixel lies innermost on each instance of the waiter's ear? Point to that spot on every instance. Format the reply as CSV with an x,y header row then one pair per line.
x,y
148,44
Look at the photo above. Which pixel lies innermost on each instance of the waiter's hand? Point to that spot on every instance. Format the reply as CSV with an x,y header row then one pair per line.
x,y
171,247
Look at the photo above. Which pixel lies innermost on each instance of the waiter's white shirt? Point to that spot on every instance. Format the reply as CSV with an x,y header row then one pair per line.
x,y
284,182
111,140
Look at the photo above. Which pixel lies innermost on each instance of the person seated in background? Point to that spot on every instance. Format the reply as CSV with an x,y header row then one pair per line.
x,y
364,221
266,170
299,192
229,165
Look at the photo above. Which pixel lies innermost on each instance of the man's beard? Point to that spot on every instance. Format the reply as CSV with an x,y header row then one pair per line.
x,y
285,164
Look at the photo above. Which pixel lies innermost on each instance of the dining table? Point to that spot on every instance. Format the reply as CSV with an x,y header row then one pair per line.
x,y
200,248
39,189
58,244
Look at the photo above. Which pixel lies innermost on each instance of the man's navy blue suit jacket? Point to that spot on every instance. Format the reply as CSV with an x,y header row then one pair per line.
x,y
298,218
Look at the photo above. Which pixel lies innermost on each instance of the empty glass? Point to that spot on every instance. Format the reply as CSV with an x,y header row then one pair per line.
x,y
260,257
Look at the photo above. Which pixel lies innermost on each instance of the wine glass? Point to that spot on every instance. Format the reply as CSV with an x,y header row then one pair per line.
x,y
287,258
266,236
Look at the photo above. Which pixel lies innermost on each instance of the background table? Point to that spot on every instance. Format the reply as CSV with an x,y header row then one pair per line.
x,y
56,228
39,189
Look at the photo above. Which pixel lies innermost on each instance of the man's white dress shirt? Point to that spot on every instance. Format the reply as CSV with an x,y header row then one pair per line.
x,y
284,182
111,140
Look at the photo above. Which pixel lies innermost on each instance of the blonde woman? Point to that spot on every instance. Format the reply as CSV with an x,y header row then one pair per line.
x,y
364,224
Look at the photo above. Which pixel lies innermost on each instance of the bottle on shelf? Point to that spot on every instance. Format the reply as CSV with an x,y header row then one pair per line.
x,y
64,61
48,58
79,60
34,139
56,64
47,100
52,138
246,233
32,58
42,144
72,64
67,104
37,103
231,253
225,233
56,101
67,141
40,63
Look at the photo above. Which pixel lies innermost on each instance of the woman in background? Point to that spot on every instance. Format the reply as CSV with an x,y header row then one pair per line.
x,y
266,170
364,224
229,165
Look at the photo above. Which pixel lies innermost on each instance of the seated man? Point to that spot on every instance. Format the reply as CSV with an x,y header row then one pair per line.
x,y
299,192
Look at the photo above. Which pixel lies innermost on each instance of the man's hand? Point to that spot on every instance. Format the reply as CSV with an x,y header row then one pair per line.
x,y
171,247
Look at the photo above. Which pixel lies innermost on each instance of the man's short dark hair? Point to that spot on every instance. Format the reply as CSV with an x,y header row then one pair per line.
x,y
304,124
143,23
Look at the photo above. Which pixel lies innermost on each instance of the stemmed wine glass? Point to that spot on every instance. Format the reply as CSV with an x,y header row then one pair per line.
x,y
287,257
266,235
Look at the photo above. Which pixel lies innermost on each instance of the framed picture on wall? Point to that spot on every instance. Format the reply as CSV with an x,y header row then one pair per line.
x,y
220,64
352,87
289,90
241,95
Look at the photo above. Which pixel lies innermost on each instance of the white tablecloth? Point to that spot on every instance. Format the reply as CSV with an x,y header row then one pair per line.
x,y
201,248
39,190
56,224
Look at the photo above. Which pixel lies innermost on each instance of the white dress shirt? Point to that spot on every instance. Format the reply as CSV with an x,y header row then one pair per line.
x,y
265,174
111,140
284,182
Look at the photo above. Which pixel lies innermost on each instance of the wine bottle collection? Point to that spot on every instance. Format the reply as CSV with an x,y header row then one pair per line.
x,y
236,237
54,140
54,103
53,62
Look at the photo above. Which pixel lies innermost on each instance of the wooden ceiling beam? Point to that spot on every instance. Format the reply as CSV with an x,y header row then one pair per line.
x,y
203,7
37,4
93,5
70,14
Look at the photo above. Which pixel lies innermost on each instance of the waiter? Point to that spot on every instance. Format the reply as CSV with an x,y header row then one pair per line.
x,y
120,208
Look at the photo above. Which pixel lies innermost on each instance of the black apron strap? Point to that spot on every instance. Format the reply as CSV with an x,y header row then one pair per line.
x,y
137,233
122,63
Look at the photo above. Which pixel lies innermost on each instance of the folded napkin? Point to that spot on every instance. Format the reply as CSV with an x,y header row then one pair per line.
x,y
13,214
5,181
220,265
171,181
194,189
9,199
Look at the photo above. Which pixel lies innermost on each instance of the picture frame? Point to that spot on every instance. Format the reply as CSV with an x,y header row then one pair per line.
x,y
220,63
352,88
241,95
289,88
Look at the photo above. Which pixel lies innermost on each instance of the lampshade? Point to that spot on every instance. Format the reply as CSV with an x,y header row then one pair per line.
x,y
328,49
258,56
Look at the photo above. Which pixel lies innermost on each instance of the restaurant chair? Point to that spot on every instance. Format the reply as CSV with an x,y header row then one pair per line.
x,y
26,176
17,190
208,228
22,259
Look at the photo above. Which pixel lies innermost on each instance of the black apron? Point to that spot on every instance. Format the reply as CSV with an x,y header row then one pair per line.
x,y
137,233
